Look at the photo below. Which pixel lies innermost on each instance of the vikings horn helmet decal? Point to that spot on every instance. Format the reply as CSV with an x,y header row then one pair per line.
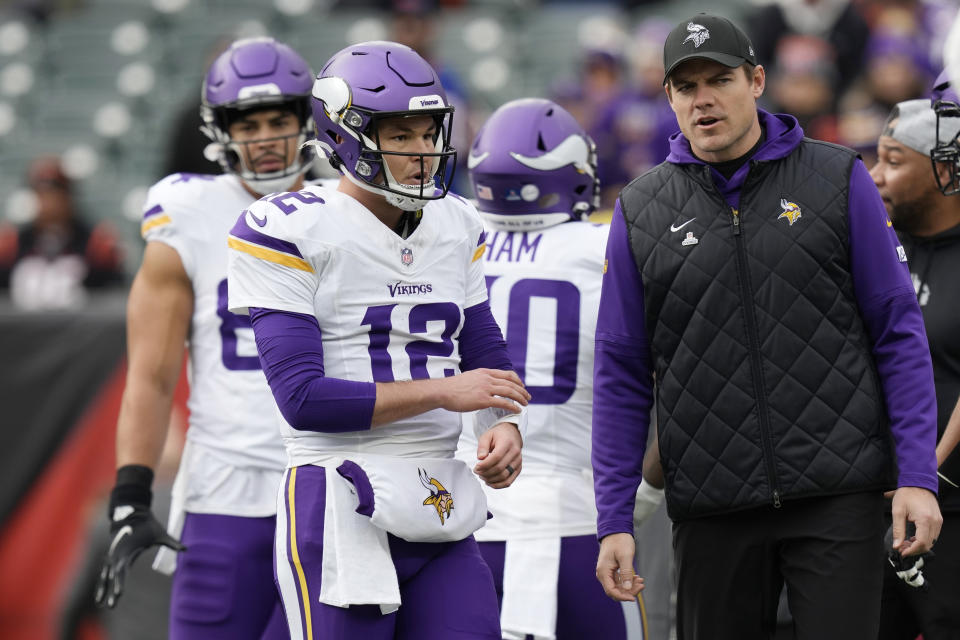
x,y
358,88
533,166
256,73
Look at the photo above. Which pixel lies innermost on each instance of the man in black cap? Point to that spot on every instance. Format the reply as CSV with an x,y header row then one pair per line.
x,y
755,276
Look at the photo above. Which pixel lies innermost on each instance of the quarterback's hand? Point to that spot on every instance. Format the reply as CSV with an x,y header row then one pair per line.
x,y
133,530
615,567
499,455
484,388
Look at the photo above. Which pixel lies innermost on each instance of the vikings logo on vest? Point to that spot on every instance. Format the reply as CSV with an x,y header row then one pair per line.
x,y
439,497
698,34
791,211
406,256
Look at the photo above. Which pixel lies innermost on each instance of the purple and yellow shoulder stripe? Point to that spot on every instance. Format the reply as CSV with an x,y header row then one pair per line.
x,y
153,217
259,245
481,247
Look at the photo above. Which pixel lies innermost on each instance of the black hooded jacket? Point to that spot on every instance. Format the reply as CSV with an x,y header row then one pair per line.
x,y
935,268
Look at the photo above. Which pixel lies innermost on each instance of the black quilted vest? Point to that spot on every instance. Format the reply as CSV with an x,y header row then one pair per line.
x,y
766,386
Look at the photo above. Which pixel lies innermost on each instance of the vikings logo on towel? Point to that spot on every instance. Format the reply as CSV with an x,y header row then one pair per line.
x,y
439,497
791,211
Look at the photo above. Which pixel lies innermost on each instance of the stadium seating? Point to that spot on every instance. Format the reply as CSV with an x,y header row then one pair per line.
x,y
104,79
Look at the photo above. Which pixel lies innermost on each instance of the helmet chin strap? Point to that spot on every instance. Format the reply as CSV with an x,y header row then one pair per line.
x,y
406,203
263,186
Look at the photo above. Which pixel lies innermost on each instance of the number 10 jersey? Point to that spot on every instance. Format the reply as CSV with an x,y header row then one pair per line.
x,y
544,293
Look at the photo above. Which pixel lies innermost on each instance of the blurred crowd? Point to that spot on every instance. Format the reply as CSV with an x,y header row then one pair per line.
x,y
837,65
55,258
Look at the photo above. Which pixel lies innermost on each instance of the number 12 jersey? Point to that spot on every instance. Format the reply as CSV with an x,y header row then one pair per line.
x,y
388,308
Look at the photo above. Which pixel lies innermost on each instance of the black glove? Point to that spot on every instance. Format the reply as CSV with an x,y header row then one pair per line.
x,y
133,530
908,569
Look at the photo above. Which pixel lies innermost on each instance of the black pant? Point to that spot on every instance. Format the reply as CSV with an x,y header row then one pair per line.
x,y
907,611
731,569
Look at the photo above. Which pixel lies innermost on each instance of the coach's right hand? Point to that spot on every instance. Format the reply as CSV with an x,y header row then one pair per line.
x,y
615,567
133,530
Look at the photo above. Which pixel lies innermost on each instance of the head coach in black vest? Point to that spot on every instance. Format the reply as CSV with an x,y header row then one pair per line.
x,y
756,291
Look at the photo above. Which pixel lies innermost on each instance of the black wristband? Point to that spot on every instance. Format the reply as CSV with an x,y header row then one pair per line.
x,y
133,486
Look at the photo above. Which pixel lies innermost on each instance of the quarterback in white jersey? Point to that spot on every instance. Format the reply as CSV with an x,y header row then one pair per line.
x,y
256,110
390,308
371,319
534,172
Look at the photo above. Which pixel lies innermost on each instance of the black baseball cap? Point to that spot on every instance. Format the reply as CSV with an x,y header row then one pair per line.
x,y
706,36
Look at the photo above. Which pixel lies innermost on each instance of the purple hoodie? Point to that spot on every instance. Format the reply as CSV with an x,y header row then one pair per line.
x,y
623,382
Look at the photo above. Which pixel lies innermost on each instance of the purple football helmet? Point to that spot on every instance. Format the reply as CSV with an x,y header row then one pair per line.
x,y
257,73
364,84
942,89
533,166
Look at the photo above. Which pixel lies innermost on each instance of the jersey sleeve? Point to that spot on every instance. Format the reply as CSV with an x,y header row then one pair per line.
x,y
266,267
162,222
476,291
894,321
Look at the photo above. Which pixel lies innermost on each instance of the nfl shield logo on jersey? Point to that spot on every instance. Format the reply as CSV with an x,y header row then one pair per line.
x,y
406,256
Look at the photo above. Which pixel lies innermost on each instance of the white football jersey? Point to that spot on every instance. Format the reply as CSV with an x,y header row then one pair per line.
x,y
388,308
544,289
231,407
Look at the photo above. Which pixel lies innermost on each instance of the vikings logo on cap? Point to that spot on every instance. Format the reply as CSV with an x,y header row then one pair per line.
x,y
791,211
439,497
698,34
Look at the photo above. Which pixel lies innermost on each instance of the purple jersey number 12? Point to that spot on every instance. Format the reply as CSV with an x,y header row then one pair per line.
x,y
381,324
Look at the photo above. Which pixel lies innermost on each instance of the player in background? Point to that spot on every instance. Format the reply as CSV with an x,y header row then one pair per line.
x,y
533,168
917,176
256,110
371,320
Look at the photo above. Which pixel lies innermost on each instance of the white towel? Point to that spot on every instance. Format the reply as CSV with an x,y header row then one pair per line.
x,y
424,499
530,573
357,567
